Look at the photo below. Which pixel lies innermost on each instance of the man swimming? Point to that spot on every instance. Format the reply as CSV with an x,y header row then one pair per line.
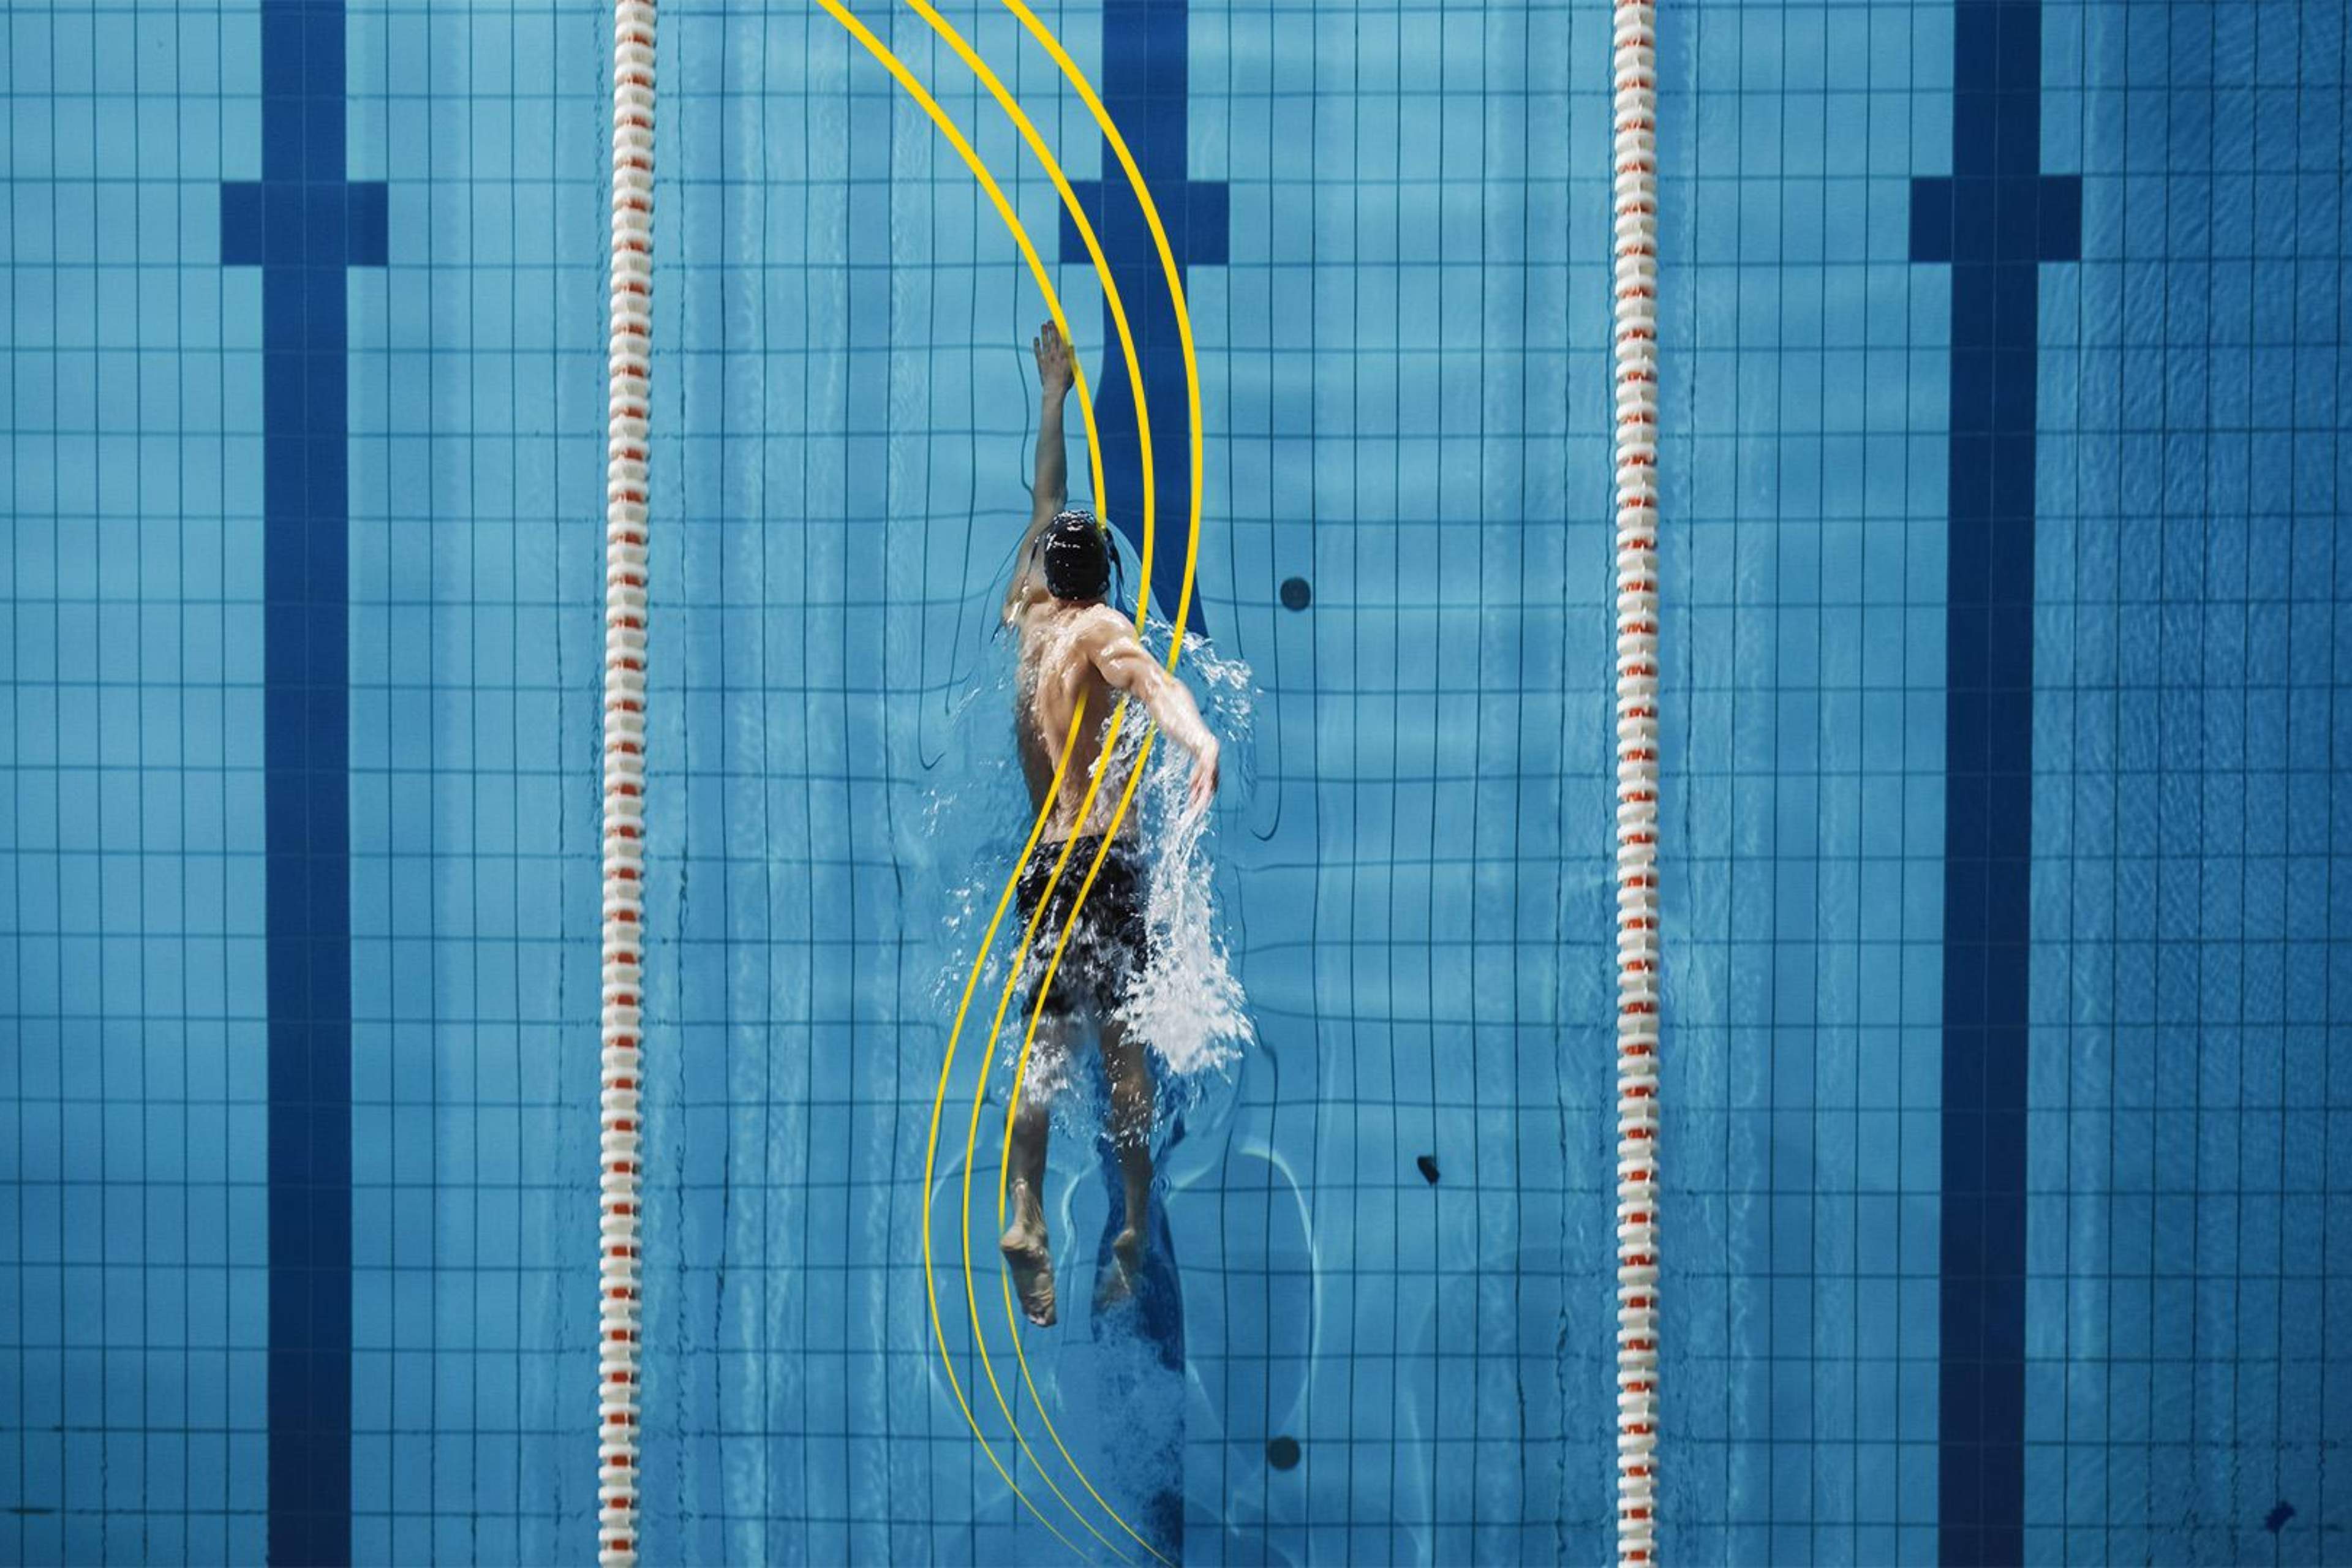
x,y
1076,646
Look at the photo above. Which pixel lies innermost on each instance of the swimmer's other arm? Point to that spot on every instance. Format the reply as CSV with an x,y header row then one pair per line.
x,y
1052,486
1127,665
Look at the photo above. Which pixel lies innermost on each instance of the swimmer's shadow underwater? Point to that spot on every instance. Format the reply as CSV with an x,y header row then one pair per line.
x,y
1135,1328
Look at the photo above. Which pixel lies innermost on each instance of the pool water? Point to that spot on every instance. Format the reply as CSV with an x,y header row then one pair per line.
x,y
2003,351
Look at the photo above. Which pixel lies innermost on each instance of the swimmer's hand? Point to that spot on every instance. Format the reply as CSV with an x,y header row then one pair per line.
x,y
1053,351
1204,788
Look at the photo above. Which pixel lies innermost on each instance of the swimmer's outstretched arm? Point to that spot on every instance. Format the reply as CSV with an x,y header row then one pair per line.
x,y
1053,485
1054,378
1127,665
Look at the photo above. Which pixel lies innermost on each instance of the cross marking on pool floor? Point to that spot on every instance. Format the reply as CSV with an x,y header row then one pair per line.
x,y
303,224
1996,219
1145,82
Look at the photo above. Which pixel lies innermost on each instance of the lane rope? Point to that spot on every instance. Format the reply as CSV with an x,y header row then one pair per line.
x,y
1635,340
1635,306
631,225
629,344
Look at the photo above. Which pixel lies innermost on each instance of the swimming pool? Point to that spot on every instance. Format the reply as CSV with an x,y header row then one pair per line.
x,y
2001,349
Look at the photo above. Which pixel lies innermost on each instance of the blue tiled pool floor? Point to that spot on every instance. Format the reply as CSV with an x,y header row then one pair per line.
x,y
2003,356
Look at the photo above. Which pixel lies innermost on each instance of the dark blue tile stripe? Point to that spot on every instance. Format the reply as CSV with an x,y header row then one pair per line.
x,y
302,224
1145,83
1995,220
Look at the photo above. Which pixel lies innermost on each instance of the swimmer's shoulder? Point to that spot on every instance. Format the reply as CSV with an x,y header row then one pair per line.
x,y
1055,632
1058,621
1034,624
1104,623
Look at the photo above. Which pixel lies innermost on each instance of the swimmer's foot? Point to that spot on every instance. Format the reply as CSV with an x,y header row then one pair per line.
x,y
1115,1283
1029,1257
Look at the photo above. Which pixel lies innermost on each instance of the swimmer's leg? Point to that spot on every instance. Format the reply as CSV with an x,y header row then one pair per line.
x,y
1131,1133
1027,1249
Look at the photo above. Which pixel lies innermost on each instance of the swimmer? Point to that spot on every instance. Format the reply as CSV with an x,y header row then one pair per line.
x,y
1074,646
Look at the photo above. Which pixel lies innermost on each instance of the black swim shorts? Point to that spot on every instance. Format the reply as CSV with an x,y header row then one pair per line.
x,y
1111,943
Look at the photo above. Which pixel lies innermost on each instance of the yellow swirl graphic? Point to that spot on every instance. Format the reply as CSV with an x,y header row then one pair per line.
x,y
980,171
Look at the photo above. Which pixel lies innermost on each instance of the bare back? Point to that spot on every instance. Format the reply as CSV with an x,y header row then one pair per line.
x,y
1057,670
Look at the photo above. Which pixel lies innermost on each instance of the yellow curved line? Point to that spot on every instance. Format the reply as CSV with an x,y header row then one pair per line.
x,y
979,1092
1086,91
1005,100
930,1154
1102,852
1093,100
1077,78
914,88
955,138
980,1088
1044,155
1021,1067
1135,178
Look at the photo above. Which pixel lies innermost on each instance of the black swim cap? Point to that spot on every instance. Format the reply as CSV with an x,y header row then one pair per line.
x,y
1077,556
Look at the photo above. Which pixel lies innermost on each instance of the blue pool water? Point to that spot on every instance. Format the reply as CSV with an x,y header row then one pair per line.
x,y
2009,1172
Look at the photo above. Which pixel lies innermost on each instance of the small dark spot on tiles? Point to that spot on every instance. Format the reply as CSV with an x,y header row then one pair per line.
x,y
2278,1517
1296,593
1282,1453
1428,1164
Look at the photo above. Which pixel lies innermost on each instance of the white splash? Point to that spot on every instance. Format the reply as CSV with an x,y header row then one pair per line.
x,y
1188,1006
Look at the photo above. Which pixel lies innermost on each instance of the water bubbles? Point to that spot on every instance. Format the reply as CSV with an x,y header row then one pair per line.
x,y
1188,1006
